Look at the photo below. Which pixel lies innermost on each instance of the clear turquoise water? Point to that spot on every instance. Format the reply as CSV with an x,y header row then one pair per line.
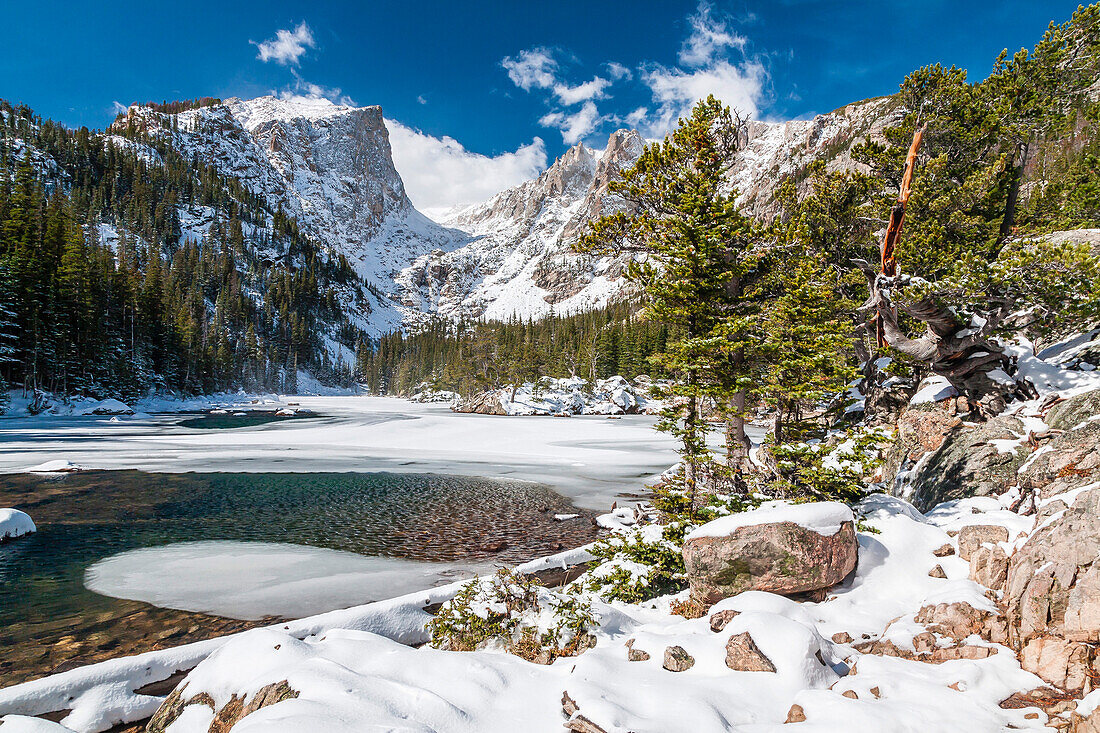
x,y
87,516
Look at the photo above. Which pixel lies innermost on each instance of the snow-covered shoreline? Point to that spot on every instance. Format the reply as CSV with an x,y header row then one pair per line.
x,y
378,677
104,694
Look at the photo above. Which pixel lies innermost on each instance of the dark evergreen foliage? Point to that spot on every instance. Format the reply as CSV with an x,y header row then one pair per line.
x,y
152,309
469,357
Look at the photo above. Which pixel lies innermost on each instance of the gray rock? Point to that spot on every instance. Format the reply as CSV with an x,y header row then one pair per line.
x,y
973,536
678,660
952,460
225,717
1052,597
743,655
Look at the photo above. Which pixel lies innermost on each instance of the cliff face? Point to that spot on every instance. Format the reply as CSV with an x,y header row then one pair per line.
x,y
776,150
329,166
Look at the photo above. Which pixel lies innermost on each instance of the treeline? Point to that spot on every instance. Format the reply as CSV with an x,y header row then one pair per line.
x,y
104,295
471,356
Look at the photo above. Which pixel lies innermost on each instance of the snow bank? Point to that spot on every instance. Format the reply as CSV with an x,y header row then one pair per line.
x,y
102,695
14,523
102,407
436,395
575,396
55,466
823,517
1049,375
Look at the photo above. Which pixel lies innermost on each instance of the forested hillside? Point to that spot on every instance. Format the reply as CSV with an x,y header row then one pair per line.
x,y
125,267
470,356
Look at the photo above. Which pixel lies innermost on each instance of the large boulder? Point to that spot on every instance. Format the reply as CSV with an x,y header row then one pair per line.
x,y
781,548
1068,456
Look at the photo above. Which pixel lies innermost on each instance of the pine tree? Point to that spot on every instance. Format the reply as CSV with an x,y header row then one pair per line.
x,y
696,274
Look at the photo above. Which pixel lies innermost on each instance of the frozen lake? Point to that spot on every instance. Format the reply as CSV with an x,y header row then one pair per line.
x,y
588,459
251,516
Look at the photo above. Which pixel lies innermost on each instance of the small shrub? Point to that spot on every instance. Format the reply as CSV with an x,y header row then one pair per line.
x,y
514,612
637,567
688,609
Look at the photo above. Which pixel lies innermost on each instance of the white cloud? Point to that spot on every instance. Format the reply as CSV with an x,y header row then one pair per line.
x,y
287,46
709,39
118,107
637,117
593,89
575,126
712,61
439,173
534,68
676,91
303,88
421,100
618,72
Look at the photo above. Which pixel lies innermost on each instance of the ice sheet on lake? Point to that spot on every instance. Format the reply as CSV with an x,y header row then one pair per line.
x,y
589,459
250,580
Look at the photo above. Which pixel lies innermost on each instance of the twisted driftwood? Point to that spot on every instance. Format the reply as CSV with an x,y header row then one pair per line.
x,y
962,352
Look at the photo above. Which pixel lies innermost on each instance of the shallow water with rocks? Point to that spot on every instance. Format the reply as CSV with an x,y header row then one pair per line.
x,y
51,622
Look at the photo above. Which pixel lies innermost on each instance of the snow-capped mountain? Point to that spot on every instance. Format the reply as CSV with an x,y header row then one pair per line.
x,y
330,167
775,150
519,260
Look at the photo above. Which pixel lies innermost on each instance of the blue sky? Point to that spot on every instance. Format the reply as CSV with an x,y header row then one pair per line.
x,y
497,90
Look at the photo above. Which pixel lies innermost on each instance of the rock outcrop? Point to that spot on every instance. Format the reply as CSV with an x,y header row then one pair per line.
x,y
937,457
1052,595
227,715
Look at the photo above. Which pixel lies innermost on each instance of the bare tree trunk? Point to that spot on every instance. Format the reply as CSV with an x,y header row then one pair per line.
x,y
690,420
962,352
1014,191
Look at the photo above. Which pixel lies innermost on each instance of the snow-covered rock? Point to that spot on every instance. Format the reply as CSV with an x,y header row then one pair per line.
x,y
436,395
14,524
562,397
780,547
